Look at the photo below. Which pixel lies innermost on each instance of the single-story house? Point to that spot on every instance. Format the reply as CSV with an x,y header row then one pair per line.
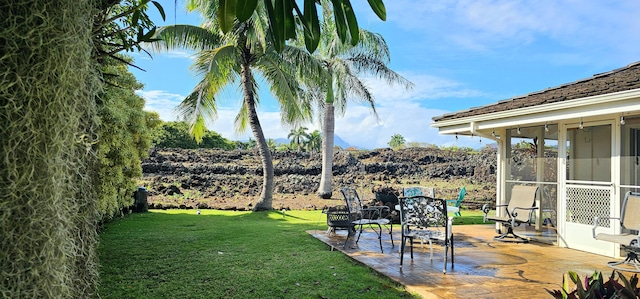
x,y
578,142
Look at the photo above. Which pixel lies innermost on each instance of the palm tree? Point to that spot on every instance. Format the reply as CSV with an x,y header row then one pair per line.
x,y
344,64
314,143
271,144
251,144
284,147
226,58
298,137
397,141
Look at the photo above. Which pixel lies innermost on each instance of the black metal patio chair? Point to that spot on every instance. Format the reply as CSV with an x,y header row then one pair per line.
x,y
425,218
370,216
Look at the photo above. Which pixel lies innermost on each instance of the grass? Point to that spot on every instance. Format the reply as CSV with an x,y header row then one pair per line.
x,y
472,217
224,254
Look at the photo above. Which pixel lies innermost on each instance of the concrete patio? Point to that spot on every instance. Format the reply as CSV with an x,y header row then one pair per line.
x,y
483,268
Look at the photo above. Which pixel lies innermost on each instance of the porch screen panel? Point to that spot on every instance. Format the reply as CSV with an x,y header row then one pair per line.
x,y
630,155
533,154
589,156
532,160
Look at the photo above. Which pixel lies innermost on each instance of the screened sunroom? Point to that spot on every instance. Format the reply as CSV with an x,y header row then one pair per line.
x,y
579,143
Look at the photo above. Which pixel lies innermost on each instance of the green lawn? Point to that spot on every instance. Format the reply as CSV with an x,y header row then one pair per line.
x,y
472,217
222,254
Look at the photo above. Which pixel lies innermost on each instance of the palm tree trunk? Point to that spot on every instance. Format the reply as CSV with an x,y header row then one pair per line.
x,y
325,190
266,196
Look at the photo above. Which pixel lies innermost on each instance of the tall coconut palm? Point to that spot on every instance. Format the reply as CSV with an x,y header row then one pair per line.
x,y
226,58
298,137
345,65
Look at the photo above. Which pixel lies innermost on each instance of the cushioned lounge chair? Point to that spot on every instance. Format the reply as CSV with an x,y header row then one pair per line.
x,y
518,211
629,236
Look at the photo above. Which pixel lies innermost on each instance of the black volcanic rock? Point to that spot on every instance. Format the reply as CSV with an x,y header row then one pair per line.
x,y
221,174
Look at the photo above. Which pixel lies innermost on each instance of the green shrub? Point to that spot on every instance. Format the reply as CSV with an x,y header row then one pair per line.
x,y
176,134
123,140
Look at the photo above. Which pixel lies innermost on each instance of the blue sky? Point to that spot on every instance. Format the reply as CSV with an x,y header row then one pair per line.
x,y
458,53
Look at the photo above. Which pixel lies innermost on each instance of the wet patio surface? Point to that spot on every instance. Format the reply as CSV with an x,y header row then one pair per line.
x,y
484,268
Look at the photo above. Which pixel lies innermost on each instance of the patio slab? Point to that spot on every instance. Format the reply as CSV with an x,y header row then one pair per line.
x,y
483,268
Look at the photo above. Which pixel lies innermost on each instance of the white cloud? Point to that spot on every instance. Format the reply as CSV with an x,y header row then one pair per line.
x,y
425,87
403,112
272,127
508,19
400,112
179,54
165,103
491,25
359,127
162,102
174,53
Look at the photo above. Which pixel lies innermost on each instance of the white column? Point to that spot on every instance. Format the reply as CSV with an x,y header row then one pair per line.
x,y
503,171
539,176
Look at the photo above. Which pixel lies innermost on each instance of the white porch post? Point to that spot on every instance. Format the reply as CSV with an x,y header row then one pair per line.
x,y
562,184
539,177
616,178
503,170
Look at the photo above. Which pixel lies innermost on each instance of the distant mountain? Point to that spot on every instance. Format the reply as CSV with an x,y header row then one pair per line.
x,y
281,141
337,141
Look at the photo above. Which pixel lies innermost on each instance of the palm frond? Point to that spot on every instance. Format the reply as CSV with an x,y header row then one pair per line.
x,y
198,128
372,45
219,72
284,85
184,37
199,103
221,61
361,92
364,64
217,68
208,9
241,121
309,68
341,72
345,63
258,34
312,74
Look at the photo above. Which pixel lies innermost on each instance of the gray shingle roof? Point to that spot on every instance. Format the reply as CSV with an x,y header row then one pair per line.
x,y
622,79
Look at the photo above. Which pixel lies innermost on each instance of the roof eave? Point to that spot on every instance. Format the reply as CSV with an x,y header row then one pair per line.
x,y
582,107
